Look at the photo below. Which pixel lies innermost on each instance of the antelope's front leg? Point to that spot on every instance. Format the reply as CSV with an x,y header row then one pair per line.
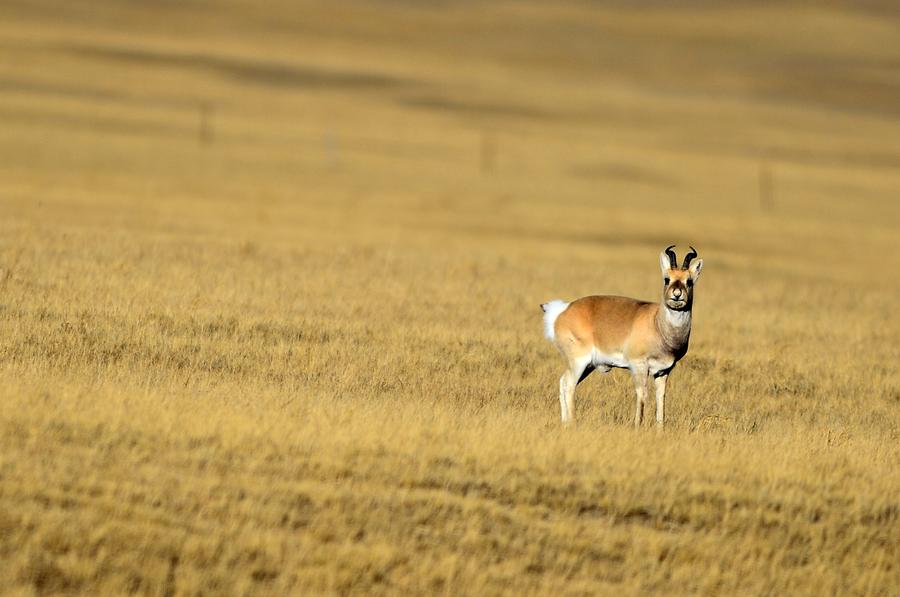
x,y
640,387
659,384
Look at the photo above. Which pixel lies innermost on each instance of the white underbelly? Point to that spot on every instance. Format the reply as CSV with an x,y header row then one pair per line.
x,y
602,360
657,365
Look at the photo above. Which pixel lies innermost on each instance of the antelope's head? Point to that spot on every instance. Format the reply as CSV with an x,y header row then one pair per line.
x,y
678,282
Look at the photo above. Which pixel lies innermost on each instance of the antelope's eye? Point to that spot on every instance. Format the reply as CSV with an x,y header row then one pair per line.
x,y
666,281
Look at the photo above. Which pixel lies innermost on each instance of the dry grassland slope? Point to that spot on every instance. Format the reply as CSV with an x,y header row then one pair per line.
x,y
269,287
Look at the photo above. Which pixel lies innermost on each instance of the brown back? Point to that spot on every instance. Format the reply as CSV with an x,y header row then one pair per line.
x,y
604,322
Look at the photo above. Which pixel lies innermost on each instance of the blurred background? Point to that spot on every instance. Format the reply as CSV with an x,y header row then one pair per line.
x,y
467,120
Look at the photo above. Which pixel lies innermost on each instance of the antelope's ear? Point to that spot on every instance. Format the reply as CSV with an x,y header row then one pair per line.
x,y
695,268
664,264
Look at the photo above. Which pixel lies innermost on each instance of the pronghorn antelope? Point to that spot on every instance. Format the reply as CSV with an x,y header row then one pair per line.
x,y
602,332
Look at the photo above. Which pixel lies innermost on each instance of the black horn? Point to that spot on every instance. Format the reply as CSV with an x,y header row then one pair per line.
x,y
688,257
673,259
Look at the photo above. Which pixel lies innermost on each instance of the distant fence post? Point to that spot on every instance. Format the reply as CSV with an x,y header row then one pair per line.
x,y
205,126
488,152
332,149
766,180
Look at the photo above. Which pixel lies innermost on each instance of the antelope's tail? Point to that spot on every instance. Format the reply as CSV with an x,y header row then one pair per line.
x,y
551,312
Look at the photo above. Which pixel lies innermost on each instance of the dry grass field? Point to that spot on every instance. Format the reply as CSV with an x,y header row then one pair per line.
x,y
270,276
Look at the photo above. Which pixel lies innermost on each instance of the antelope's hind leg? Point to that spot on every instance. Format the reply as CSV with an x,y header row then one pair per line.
x,y
578,369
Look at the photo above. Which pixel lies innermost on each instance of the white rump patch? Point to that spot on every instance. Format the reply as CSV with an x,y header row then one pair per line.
x,y
551,312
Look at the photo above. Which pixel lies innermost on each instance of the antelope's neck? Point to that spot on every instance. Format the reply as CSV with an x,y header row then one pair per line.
x,y
674,326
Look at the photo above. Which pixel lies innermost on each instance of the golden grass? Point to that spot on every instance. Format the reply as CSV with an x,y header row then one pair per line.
x,y
269,287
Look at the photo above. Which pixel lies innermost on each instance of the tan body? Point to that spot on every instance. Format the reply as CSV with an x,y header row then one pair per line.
x,y
603,332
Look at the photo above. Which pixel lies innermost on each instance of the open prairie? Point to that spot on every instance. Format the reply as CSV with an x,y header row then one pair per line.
x,y
270,276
